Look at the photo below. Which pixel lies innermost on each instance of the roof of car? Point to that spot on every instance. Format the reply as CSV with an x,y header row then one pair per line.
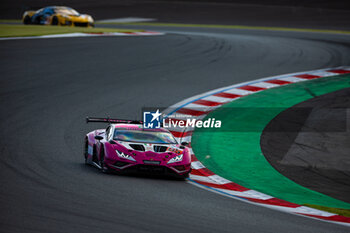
x,y
137,127
58,7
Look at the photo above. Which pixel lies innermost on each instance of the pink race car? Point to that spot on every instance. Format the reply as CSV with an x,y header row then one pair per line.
x,y
126,146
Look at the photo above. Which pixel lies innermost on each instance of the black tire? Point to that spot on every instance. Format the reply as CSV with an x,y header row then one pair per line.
x,y
91,25
184,176
104,168
187,174
26,20
36,20
54,21
86,148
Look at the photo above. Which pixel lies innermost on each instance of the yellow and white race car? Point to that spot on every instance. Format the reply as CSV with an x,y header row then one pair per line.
x,y
58,15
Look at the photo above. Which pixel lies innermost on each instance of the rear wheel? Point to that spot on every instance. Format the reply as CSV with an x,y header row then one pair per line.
x,y
86,149
26,20
54,21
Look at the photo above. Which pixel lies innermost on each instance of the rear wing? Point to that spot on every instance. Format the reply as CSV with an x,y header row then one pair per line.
x,y
111,120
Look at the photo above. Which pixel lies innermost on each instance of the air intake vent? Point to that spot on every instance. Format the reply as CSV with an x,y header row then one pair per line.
x,y
137,147
160,148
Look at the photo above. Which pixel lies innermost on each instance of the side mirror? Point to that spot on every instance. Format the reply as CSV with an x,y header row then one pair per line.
x,y
184,143
98,137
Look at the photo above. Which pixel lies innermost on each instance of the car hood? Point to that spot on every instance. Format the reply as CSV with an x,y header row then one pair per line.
x,y
149,150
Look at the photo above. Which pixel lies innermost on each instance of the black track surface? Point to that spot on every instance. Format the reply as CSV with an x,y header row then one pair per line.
x,y
48,86
309,144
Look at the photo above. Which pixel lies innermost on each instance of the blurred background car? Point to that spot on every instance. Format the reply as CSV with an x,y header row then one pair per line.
x,y
57,15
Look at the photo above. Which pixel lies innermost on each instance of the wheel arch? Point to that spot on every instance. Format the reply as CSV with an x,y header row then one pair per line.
x,y
53,17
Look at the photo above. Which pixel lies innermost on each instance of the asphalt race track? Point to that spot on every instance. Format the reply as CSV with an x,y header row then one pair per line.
x,y
49,86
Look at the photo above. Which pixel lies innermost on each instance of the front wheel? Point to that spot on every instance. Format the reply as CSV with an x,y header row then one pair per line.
x,y
184,176
103,165
54,21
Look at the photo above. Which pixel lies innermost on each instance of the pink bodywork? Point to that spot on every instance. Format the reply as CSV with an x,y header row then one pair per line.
x,y
111,157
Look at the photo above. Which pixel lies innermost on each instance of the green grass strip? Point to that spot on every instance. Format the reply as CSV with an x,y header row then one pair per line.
x,y
10,21
7,30
236,154
233,27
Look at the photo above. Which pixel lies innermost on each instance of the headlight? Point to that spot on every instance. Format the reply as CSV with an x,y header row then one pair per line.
x,y
124,156
176,159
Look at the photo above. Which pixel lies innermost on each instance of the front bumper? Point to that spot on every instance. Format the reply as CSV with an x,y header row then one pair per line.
x,y
127,167
73,23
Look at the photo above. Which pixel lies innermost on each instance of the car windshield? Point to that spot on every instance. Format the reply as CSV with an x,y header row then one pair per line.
x,y
144,136
66,11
